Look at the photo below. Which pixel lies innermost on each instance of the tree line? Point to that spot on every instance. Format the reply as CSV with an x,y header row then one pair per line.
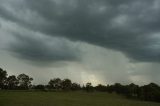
x,y
150,92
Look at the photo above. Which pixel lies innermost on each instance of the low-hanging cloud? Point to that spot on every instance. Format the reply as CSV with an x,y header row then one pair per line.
x,y
129,26
43,51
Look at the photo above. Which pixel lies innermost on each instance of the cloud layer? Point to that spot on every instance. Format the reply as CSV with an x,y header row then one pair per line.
x,y
43,50
128,26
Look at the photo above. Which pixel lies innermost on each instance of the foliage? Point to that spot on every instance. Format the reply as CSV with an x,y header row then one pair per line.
x,y
66,84
75,86
24,81
55,83
3,77
39,87
12,82
89,87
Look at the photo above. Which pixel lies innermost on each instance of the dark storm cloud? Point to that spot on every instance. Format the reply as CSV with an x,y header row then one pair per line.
x,y
129,26
41,51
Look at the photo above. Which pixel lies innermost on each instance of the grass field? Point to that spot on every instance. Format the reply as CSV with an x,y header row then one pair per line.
x,y
19,98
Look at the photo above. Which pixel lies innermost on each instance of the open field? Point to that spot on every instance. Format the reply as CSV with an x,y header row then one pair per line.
x,y
21,98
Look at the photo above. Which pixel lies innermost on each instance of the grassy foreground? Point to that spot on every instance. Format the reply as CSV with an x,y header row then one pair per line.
x,y
19,98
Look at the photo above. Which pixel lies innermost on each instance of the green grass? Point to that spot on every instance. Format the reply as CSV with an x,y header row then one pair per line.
x,y
21,98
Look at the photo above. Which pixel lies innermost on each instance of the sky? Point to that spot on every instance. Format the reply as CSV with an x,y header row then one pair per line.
x,y
97,41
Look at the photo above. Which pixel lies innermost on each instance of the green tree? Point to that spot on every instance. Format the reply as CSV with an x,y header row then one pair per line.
x,y
66,84
3,77
101,88
24,81
39,87
150,92
89,87
75,86
55,83
132,90
12,82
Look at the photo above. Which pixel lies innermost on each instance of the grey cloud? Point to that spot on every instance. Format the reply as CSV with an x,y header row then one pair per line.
x,y
39,50
124,25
